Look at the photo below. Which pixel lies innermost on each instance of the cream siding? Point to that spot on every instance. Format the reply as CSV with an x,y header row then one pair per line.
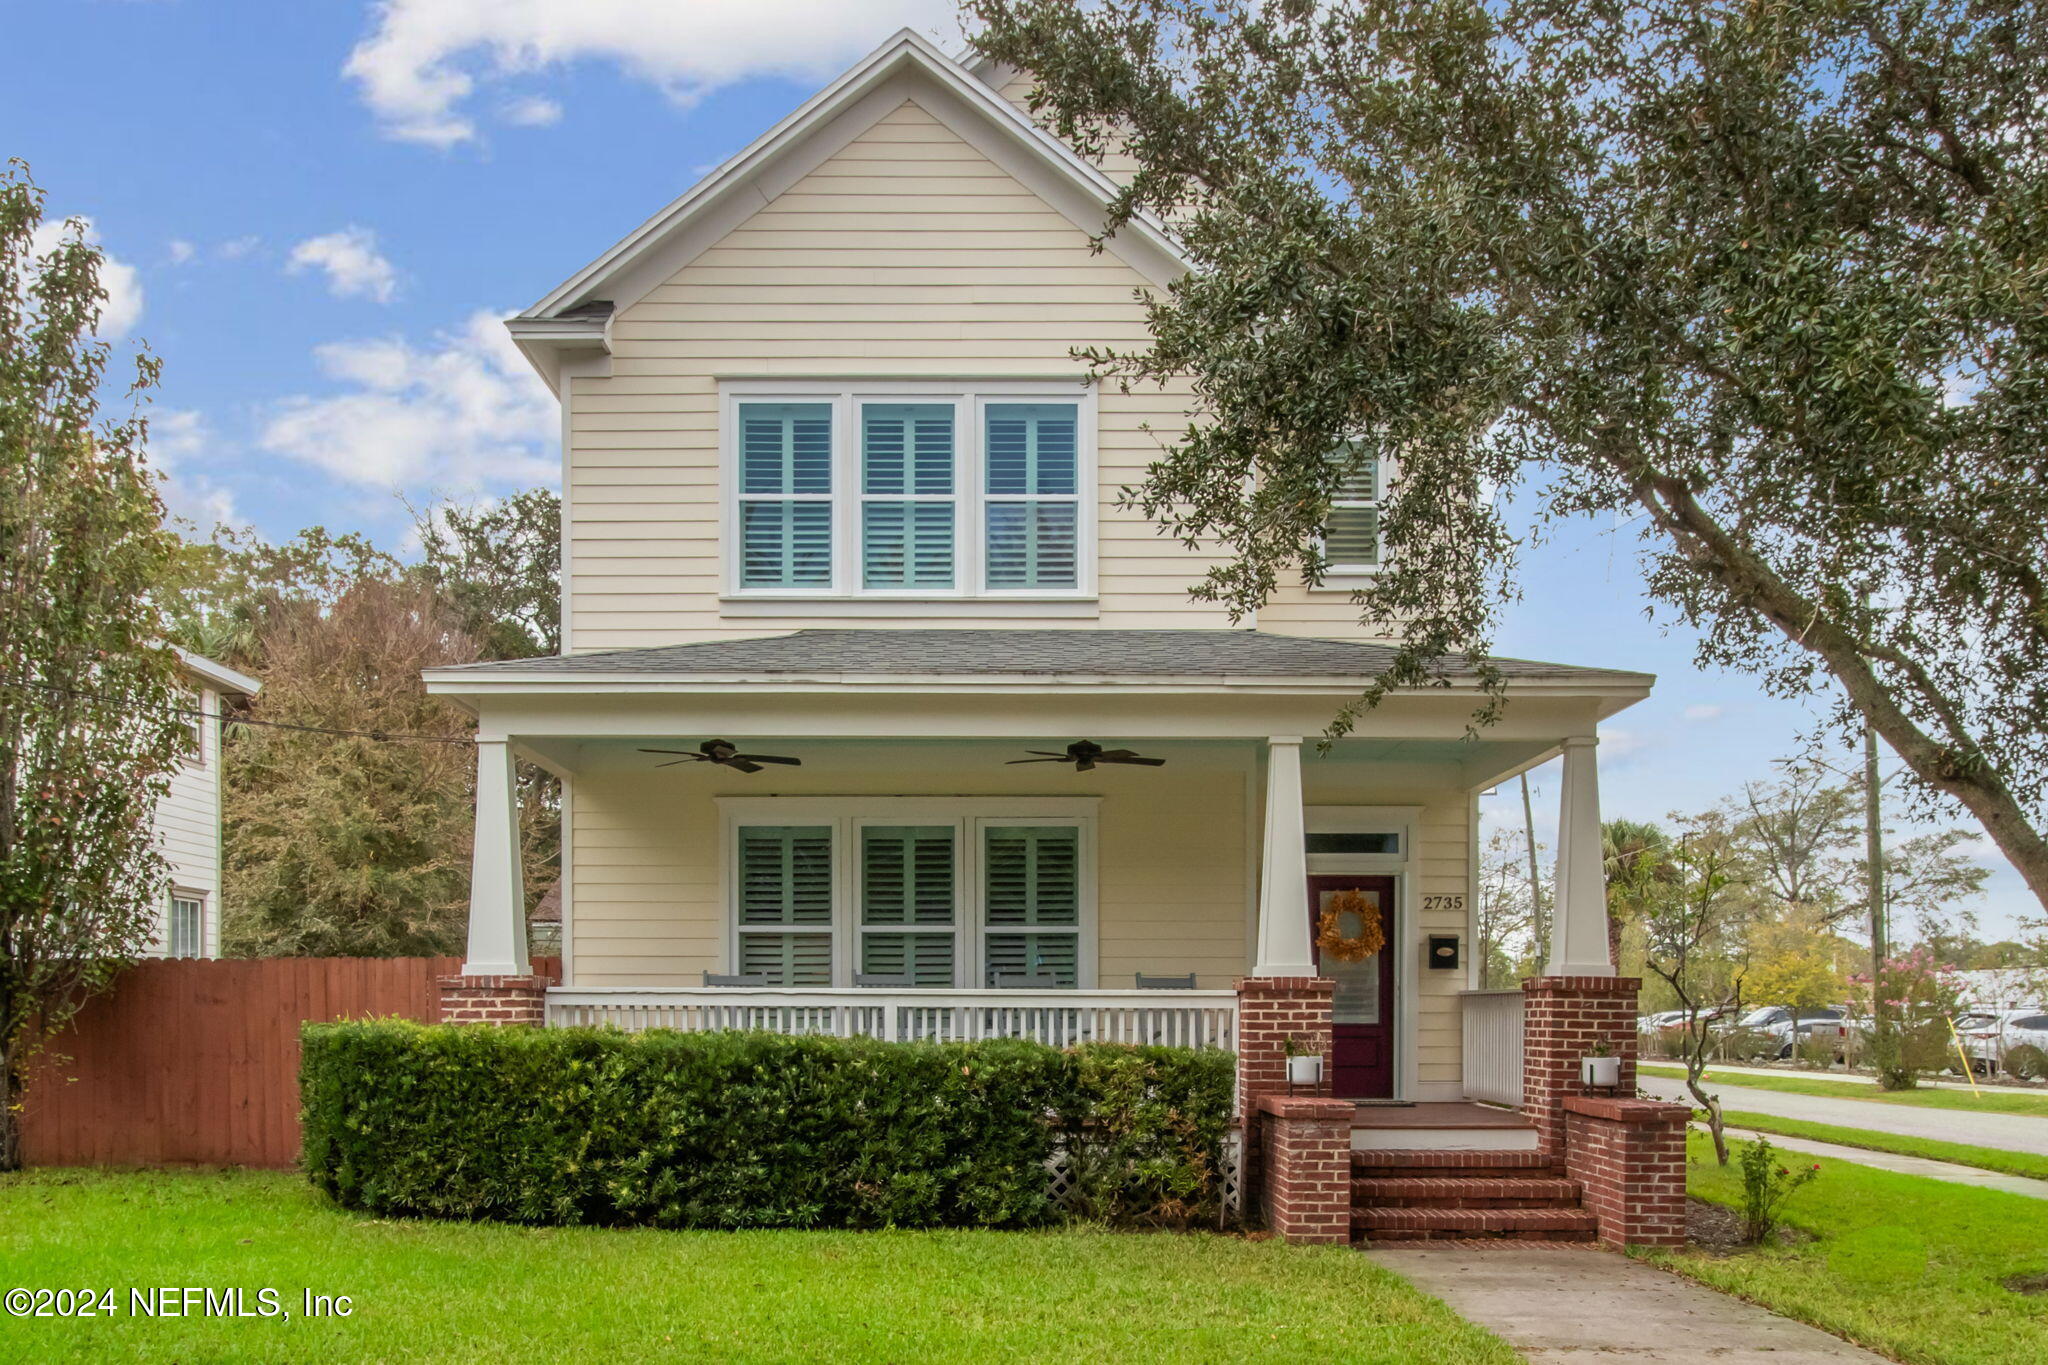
x,y
908,254
1172,894
187,823
1176,861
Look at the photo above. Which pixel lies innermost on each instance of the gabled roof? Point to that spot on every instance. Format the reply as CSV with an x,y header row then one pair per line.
x,y
576,315
1070,654
218,675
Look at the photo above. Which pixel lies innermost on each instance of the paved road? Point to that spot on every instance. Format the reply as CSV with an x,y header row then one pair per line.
x,y
2011,1132
1566,1303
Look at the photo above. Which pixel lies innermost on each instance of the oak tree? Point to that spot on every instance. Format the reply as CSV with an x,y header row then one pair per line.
x,y
1759,278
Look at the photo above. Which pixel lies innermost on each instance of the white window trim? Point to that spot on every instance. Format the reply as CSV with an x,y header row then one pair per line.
x,y
1349,578
200,726
969,817
970,501
198,898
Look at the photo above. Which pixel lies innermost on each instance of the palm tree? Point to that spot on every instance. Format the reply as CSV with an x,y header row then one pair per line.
x,y
1635,856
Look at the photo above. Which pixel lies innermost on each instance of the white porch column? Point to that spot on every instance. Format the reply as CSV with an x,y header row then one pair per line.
x,y
497,892
1578,932
1283,877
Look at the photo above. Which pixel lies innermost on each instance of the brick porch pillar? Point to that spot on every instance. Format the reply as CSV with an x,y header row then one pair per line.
x,y
1270,1010
1562,1018
1305,1179
1628,1156
491,1000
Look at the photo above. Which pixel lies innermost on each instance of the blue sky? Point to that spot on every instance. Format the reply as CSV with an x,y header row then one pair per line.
x,y
323,208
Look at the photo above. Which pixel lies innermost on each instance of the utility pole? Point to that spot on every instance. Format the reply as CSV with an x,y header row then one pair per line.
x,y
1536,923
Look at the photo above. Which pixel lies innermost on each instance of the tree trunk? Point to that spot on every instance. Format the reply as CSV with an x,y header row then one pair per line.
x,y
1952,763
1695,1066
10,1113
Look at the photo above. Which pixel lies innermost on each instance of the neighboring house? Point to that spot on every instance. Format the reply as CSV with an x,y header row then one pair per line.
x,y
834,491
188,818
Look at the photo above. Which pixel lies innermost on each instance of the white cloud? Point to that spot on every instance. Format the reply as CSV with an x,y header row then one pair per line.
x,y
1618,746
123,306
351,261
532,111
1703,713
176,434
464,415
176,437
181,251
423,60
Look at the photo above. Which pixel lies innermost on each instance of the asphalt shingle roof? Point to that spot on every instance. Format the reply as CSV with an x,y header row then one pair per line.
x,y
1084,651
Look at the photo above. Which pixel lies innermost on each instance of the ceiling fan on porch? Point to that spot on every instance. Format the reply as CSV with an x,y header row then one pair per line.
x,y
725,754
1084,754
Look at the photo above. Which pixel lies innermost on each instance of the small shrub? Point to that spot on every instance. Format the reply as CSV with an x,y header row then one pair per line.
x,y
736,1130
1766,1185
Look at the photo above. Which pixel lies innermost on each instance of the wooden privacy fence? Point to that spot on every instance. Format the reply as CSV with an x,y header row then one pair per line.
x,y
196,1061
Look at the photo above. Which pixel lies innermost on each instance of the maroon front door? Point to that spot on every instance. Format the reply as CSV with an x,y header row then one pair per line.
x,y
1362,1014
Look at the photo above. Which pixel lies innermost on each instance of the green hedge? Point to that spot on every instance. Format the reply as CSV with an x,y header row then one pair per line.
x,y
732,1130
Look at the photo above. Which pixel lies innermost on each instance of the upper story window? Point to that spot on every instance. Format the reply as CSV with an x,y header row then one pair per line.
x,y
911,490
192,706
1351,536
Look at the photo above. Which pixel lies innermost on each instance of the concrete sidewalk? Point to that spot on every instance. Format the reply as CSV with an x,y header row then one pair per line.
x,y
1973,1176
1562,1302
2012,1132
1850,1077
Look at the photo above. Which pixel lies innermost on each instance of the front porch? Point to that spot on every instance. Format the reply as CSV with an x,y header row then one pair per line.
x,y
893,870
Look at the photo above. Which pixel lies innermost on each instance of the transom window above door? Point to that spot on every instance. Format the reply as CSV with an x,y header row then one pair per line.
x,y
914,491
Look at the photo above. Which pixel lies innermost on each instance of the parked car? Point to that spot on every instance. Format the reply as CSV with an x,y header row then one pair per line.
x,y
2012,1041
1778,1031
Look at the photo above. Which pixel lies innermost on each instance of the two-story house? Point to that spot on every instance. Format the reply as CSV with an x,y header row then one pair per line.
x,y
187,819
836,496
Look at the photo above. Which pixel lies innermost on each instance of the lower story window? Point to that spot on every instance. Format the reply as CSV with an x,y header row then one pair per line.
x,y
1032,902
936,901
186,935
785,904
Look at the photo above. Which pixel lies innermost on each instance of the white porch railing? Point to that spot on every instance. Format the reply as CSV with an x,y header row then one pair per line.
x,y
1493,1046
1058,1018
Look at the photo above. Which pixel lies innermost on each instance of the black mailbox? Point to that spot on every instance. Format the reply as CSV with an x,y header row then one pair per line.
x,y
1443,952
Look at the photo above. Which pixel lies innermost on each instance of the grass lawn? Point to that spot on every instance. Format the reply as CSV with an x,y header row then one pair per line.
x,y
1962,1153
1991,1101
1911,1268
459,1291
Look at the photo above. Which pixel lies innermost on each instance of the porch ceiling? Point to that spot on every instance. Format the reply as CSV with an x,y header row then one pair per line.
x,y
1438,764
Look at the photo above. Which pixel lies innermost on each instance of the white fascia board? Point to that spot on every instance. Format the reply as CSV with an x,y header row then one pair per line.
x,y
218,674
551,345
449,682
737,178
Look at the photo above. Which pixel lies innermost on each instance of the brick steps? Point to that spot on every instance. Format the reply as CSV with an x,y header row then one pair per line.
x,y
1429,1195
1390,1164
1464,1193
1410,1225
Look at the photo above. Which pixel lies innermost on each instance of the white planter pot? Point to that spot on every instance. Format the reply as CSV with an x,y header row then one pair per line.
x,y
1305,1070
1600,1071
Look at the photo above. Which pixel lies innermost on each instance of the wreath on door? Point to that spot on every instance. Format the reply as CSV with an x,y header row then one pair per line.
x,y
1330,935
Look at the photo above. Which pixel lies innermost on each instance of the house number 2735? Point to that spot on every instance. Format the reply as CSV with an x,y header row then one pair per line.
x,y
1430,903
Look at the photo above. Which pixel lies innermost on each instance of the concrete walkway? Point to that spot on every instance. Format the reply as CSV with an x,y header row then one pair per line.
x,y
1852,1078
2011,1132
1905,1165
1575,1303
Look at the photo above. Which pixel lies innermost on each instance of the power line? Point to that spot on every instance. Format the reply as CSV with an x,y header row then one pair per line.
x,y
382,736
